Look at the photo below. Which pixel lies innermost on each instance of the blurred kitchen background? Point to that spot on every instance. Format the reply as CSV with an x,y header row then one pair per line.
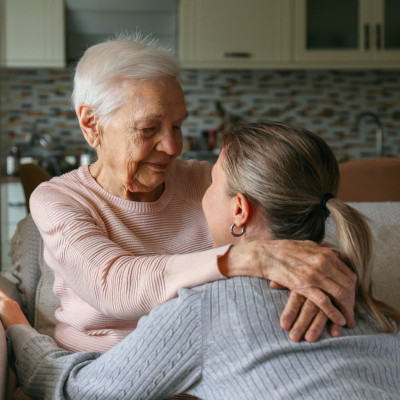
x,y
332,66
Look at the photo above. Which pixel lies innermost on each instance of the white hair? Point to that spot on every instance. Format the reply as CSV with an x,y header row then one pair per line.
x,y
105,70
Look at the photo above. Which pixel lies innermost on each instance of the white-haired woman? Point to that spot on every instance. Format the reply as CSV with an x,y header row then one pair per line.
x,y
220,340
126,232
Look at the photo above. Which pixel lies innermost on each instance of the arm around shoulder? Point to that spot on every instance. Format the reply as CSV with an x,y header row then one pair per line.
x,y
314,271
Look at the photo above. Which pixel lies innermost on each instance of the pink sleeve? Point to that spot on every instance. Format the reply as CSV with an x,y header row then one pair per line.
x,y
122,285
188,270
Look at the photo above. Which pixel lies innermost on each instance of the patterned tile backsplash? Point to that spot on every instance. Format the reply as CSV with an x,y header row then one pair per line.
x,y
325,102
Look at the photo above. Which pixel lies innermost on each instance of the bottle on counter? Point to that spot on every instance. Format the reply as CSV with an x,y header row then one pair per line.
x,y
12,161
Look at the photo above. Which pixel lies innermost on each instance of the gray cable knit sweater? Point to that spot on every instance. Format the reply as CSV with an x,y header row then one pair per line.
x,y
221,340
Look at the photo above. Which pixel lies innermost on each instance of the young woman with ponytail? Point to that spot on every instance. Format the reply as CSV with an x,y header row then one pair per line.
x,y
291,175
219,340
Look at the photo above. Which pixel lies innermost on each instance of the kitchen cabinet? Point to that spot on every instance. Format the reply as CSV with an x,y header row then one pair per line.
x,y
32,33
89,22
13,209
289,34
234,33
347,32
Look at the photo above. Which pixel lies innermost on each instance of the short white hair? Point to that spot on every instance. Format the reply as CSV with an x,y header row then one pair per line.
x,y
105,69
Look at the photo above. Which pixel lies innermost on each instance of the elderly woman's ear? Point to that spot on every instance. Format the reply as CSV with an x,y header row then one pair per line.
x,y
89,125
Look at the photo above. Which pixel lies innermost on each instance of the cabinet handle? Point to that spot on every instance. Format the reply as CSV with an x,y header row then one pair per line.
x,y
16,204
378,36
234,54
366,37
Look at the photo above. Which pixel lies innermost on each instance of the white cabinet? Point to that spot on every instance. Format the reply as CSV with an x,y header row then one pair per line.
x,y
32,33
289,34
13,209
356,33
234,33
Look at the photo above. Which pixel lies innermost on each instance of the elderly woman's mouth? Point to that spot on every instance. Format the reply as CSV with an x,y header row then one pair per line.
x,y
158,166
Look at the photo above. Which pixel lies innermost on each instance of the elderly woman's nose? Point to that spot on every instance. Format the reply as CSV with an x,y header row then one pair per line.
x,y
171,142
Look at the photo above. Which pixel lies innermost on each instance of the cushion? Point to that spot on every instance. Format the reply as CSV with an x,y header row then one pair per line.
x,y
46,301
32,277
25,271
384,221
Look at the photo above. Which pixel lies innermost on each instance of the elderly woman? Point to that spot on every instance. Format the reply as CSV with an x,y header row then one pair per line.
x,y
220,340
126,232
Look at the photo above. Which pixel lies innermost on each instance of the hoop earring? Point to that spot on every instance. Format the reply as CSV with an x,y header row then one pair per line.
x,y
237,234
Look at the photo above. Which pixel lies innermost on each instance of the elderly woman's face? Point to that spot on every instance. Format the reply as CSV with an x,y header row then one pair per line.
x,y
139,145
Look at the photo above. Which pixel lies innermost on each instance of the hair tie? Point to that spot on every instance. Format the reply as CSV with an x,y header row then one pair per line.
x,y
325,199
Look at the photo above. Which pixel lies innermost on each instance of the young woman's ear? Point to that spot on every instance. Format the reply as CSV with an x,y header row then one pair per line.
x,y
242,209
89,125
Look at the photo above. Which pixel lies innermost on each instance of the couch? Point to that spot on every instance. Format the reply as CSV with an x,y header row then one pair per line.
x,y
30,280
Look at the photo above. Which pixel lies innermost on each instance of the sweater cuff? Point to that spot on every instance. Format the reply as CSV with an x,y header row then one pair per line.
x,y
194,269
21,337
19,334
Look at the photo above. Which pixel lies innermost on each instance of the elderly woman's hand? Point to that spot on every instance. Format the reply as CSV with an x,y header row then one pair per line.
x,y
304,319
307,269
10,312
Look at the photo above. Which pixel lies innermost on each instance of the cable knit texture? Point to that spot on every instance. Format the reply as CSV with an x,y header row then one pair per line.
x,y
114,259
221,340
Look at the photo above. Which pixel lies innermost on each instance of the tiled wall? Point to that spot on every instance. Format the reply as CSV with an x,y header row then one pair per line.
x,y
326,102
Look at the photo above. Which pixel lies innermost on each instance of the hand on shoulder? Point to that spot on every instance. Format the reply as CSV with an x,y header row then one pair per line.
x,y
10,312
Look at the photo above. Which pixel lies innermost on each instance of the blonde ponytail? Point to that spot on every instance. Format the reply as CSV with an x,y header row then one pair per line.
x,y
355,244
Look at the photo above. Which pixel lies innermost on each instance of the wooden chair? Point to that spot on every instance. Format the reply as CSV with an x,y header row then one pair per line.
x,y
375,179
31,176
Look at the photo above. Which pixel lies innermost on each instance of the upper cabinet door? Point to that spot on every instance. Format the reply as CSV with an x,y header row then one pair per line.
x,y
234,33
347,32
32,33
332,30
386,30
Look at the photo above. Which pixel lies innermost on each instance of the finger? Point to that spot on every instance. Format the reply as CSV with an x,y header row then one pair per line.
x,y
4,295
11,314
306,316
322,301
344,300
316,327
276,285
335,330
347,310
291,310
343,289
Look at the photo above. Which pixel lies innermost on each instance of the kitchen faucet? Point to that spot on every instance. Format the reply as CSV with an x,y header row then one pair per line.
x,y
36,137
379,130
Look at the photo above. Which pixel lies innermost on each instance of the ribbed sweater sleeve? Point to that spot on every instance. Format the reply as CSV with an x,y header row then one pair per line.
x,y
160,358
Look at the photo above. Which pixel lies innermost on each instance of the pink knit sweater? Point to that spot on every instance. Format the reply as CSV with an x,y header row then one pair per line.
x,y
114,259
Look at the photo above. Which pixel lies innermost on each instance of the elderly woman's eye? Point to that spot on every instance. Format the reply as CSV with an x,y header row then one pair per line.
x,y
149,130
